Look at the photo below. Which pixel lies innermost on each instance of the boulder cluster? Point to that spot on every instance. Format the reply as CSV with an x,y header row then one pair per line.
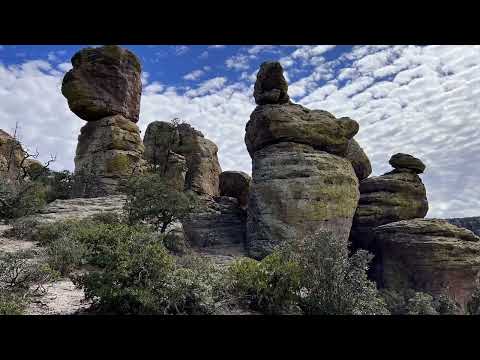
x,y
308,174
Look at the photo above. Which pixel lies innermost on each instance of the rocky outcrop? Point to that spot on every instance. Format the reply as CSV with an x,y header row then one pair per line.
x,y
104,89
104,81
470,223
358,158
235,184
274,123
11,156
163,139
394,196
218,221
301,181
271,87
108,150
406,161
430,255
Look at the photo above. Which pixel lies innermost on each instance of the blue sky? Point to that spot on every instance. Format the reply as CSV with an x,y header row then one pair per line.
x,y
422,100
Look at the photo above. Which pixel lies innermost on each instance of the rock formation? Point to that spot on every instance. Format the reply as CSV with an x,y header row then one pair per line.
x,y
358,158
219,221
104,81
470,223
301,181
235,184
430,255
164,141
104,89
11,155
394,196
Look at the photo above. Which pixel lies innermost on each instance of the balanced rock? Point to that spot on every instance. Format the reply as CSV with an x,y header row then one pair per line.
x,y
405,161
430,255
235,184
104,81
301,180
358,158
271,87
274,123
394,196
108,150
203,168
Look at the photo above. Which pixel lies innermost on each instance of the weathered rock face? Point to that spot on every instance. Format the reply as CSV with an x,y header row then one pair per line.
x,y
301,180
394,196
218,222
430,255
470,223
11,155
203,168
235,184
405,161
271,87
108,151
297,190
104,81
358,158
270,124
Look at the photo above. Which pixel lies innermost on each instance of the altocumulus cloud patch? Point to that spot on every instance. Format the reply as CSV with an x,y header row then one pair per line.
x,y
418,100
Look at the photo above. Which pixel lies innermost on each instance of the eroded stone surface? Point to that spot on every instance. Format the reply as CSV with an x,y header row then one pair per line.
x,y
297,190
235,184
430,255
406,161
270,86
104,81
358,158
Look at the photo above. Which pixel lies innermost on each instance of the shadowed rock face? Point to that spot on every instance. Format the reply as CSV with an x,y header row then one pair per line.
x,y
203,168
235,184
358,158
430,255
270,87
270,124
104,81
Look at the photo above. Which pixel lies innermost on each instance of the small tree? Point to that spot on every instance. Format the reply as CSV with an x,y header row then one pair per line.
x,y
151,199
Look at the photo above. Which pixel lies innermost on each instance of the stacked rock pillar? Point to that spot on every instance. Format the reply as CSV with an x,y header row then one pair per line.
x,y
301,181
104,89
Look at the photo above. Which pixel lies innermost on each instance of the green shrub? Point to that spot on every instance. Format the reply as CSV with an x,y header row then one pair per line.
x,y
65,254
151,199
20,199
270,285
11,303
105,217
23,229
47,233
421,304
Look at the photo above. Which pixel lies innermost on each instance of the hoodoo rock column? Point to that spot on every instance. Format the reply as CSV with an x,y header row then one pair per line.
x,y
301,180
104,89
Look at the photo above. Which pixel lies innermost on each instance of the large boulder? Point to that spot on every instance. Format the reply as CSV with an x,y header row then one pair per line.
x,y
430,255
271,87
108,151
104,81
397,195
274,123
203,169
358,158
235,184
297,190
218,221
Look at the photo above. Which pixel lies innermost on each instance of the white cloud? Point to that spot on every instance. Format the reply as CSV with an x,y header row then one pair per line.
x,y
308,51
194,75
216,46
238,62
203,55
65,66
181,49
254,50
207,87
